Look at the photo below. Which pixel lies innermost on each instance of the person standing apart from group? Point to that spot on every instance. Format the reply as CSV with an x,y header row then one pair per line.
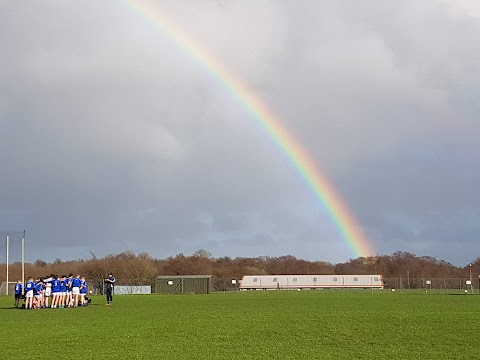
x,y
18,293
109,283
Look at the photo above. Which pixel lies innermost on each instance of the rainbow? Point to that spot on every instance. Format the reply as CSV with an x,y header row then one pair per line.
x,y
271,124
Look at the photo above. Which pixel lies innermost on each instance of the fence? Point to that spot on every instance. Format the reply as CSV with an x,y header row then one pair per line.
x,y
98,286
183,284
431,283
223,285
132,290
7,291
400,283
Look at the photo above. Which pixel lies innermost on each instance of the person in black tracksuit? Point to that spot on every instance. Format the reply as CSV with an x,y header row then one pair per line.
x,y
109,283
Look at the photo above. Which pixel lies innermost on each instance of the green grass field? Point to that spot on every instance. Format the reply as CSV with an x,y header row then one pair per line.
x,y
249,325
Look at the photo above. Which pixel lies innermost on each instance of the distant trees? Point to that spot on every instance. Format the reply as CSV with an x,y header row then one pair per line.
x,y
404,265
135,269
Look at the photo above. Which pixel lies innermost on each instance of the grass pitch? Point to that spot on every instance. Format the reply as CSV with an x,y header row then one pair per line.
x,y
249,325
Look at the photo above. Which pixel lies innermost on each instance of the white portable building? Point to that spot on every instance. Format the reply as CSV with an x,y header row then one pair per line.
x,y
270,282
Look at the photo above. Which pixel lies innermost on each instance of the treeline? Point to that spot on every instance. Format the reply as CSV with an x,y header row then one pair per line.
x,y
135,269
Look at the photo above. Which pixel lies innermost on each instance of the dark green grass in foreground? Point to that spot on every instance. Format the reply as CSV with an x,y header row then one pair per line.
x,y
249,325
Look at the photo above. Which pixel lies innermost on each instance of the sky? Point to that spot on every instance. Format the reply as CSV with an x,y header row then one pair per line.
x,y
113,138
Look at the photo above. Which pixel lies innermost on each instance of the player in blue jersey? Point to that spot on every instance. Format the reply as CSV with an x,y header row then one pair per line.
x,y
63,292
38,293
76,283
55,292
43,293
29,286
68,285
34,303
83,291
18,293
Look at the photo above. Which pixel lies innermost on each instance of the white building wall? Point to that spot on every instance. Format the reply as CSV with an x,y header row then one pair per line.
x,y
310,281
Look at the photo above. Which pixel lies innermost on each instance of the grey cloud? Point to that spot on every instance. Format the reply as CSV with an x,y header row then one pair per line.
x,y
113,138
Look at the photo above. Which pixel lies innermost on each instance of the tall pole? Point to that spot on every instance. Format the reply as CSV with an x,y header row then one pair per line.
x,y
23,258
471,284
408,272
8,250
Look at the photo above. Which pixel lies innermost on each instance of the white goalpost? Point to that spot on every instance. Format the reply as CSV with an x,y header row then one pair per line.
x,y
4,288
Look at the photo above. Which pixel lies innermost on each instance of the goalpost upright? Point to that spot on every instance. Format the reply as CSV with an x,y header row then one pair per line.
x,y
7,243
23,258
8,260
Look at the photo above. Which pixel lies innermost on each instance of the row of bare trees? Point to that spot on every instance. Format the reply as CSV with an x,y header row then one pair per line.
x,y
136,269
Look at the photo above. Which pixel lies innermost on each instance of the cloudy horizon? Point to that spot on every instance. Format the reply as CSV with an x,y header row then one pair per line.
x,y
113,138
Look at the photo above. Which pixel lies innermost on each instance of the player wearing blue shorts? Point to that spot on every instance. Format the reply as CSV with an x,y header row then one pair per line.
x,y
55,292
63,292
38,293
68,285
18,293
43,292
83,291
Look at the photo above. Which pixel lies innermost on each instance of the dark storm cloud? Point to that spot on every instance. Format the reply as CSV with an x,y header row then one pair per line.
x,y
112,138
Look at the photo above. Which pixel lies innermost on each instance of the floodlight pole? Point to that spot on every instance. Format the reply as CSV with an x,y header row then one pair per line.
x,y
8,250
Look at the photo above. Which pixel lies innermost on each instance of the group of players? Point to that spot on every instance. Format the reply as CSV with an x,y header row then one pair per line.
x,y
64,291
